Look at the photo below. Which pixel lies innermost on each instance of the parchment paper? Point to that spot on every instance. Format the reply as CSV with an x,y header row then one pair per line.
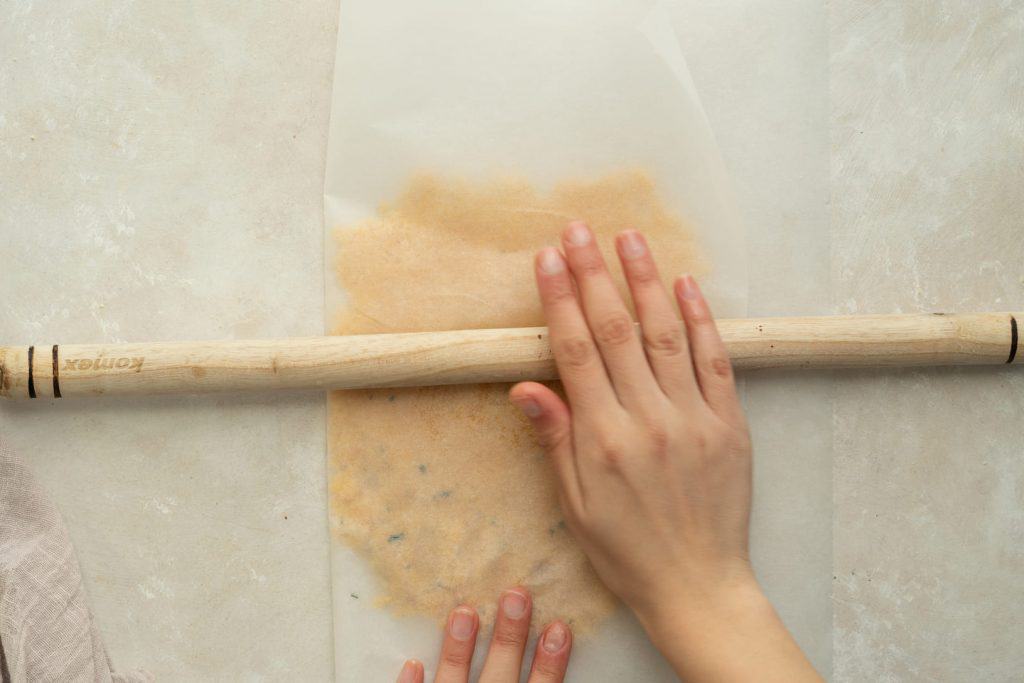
x,y
541,89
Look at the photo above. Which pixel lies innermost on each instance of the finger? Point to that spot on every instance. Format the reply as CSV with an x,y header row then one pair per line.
x,y
511,630
457,648
579,363
412,672
551,658
607,316
552,424
710,358
664,342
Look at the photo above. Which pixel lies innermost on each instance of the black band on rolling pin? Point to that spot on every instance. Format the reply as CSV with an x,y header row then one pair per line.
x,y
31,379
56,377
1013,340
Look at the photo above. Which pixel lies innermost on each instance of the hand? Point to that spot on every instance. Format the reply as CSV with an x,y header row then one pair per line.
x,y
653,456
505,655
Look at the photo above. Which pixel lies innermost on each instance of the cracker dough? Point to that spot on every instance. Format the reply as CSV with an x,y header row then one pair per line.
x,y
443,489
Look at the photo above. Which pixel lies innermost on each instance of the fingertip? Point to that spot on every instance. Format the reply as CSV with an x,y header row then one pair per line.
x,y
577,234
631,244
528,390
463,622
522,398
457,647
515,603
539,403
551,655
412,672
692,303
549,261
556,638
518,390
687,288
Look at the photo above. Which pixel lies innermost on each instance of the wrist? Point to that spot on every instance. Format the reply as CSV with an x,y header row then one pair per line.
x,y
725,630
686,609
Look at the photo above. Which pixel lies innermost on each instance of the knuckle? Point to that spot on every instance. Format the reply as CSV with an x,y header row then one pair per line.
x,y
574,351
717,448
588,267
551,437
615,330
548,669
644,273
507,637
612,459
720,367
457,658
667,342
613,453
658,439
700,315
738,445
559,292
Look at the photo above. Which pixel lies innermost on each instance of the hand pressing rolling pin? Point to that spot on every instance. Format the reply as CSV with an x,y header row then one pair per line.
x,y
653,460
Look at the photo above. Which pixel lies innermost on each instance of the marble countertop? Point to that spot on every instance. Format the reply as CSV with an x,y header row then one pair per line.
x,y
161,170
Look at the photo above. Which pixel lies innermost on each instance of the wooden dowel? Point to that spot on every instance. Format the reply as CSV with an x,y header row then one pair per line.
x,y
478,356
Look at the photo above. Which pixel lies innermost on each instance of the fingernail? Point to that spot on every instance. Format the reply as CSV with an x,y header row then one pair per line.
x,y
409,672
513,604
579,234
688,288
633,244
551,261
554,637
462,624
529,407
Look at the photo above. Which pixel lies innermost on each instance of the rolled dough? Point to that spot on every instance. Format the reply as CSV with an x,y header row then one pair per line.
x,y
443,489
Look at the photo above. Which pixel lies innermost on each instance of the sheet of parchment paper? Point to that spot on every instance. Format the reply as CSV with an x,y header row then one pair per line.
x,y
540,90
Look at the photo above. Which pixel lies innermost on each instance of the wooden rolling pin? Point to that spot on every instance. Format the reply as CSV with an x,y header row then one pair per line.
x,y
477,356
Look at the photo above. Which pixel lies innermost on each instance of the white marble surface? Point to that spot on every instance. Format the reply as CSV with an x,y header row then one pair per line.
x,y
161,178
928,215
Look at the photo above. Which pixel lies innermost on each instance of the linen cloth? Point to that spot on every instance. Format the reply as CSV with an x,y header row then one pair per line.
x,y
47,632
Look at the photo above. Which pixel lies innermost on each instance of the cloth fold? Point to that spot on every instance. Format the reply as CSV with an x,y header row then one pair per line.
x,y
47,632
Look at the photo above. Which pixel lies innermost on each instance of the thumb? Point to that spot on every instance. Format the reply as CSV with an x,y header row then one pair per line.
x,y
546,411
552,424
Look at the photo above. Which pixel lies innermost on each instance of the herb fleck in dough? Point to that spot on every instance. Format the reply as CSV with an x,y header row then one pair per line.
x,y
443,489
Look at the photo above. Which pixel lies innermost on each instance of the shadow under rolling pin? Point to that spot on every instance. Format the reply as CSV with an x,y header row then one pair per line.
x,y
481,356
